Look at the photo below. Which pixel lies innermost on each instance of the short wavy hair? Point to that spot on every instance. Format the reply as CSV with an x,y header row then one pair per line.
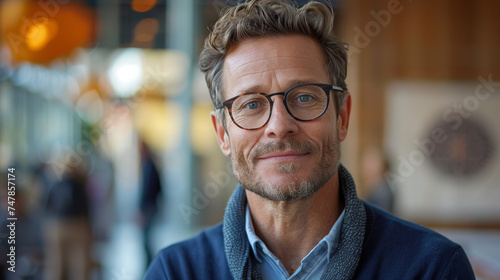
x,y
264,18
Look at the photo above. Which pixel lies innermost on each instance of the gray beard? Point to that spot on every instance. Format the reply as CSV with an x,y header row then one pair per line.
x,y
294,189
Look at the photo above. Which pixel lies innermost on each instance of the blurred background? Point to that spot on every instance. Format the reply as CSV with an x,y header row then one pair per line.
x,y
105,118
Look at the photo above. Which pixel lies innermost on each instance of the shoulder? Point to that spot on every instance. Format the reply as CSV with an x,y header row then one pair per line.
x,y
399,247
398,233
200,257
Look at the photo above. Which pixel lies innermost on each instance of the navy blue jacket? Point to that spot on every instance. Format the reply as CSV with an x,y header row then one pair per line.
x,y
392,249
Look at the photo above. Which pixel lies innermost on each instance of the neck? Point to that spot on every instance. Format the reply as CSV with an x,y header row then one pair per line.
x,y
302,223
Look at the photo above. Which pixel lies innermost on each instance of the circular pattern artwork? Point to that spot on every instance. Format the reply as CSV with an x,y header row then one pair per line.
x,y
468,148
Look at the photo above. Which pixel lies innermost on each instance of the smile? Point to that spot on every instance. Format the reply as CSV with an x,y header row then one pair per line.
x,y
284,156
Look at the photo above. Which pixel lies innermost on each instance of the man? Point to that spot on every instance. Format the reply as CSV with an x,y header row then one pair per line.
x,y
276,75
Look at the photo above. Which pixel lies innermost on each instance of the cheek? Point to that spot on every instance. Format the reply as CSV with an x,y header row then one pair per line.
x,y
242,142
324,127
325,137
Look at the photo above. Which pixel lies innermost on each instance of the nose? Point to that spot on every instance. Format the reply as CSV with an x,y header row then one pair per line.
x,y
281,124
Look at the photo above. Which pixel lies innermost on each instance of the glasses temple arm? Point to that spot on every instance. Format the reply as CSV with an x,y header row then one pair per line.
x,y
338,88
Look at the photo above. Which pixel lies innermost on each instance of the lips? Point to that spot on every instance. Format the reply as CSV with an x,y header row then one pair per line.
x,y
283,155
289,150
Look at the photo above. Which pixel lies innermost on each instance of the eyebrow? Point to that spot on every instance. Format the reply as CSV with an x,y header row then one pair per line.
x,y
255,88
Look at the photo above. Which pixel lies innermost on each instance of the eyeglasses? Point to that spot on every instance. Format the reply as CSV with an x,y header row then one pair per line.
x,y
305,102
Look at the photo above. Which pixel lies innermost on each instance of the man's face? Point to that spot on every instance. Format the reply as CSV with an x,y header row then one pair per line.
x,y
286,159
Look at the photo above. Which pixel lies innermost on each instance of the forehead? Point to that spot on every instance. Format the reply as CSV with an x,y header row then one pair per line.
x,y
260,64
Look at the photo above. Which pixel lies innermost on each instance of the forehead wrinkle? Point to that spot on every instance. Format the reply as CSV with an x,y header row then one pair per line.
x,y
269,70
267,58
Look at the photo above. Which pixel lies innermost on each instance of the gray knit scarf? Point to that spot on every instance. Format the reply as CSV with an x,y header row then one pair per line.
x,y
242,262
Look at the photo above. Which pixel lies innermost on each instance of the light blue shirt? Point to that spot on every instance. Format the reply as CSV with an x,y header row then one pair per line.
x,y
312,265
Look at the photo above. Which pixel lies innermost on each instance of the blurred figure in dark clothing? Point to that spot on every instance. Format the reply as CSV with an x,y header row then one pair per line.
x,y
151,191
100,182
100,190
28,241
375,167
68,233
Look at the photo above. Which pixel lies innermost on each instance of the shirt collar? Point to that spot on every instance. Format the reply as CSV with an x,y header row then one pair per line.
x,y
331,239
252,237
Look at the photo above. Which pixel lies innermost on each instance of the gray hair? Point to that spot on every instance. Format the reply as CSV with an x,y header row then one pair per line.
x,y
262,18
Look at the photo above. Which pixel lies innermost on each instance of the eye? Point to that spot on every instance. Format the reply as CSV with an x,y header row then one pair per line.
x,y
304,98
252,105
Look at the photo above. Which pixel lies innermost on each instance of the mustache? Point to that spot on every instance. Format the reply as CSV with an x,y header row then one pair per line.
x,y
288,145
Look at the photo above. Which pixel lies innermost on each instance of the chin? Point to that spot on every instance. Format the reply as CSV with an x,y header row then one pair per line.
x,y
289,168
284,189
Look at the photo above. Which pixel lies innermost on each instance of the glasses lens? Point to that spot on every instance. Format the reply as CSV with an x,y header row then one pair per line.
x,y
307,102
251,111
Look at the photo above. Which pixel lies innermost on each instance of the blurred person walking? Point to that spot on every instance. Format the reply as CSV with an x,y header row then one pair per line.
x,y
100,188
151,192
374,169
68,232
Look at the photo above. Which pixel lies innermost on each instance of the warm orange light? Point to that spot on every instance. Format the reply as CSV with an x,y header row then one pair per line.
x,y
10,13
146,30
37,37
40,34
143,5
34,33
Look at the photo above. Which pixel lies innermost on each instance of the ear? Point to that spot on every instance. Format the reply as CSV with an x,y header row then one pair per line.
x,y
343,119
222,137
